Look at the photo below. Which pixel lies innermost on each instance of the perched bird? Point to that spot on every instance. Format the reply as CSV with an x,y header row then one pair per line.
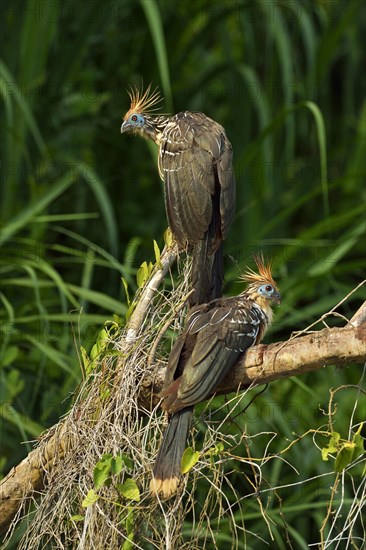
x,y
195,163
215,336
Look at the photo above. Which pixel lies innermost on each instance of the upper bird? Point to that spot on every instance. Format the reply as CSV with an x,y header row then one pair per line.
x,y
215,336
195,163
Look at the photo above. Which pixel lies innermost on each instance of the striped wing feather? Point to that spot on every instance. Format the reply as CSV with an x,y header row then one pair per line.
x,y
213,340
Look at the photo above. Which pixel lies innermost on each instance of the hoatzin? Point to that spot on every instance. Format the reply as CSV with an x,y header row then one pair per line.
x,y
215,336
195,163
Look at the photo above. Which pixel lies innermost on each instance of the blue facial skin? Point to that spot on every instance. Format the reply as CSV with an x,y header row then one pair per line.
x,y
134,121
269,292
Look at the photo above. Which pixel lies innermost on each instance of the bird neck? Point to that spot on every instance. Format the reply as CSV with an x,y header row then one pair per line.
x,y
263,303
154,127
265,306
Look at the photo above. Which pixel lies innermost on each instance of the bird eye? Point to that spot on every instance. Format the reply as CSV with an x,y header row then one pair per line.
x,y
269,288
134,118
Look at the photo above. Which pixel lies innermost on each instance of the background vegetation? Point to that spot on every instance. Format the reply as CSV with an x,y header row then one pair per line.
x,y
81,204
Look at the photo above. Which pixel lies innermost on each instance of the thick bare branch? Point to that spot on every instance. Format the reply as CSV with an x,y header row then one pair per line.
x,y
27,477
143,303
334,346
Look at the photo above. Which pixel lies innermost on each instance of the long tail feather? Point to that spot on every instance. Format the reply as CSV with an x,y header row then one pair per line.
x,y
167,469
207,273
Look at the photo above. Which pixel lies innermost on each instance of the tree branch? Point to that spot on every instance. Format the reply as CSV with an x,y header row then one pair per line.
x,y
143,301
330,346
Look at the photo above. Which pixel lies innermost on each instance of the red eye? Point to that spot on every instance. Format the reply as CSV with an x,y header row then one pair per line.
x,y
134,118
268,288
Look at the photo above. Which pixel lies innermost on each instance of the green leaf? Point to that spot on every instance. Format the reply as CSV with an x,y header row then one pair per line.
x,y
127,461
77,517
100,345
142,274
85,359
90,498
129,520
103,338
168,237
157,252
100,476
189,459
359,445
347,451
217,449
9,356
94,352
344,457
129,490
128,544
350,451
125,285
102,470
117,464
332,446
14,384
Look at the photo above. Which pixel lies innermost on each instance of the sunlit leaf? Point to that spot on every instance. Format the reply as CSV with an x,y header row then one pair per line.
x,y
332,446
189,459
77,518
90,498
157,252
142,274
129,490
102,470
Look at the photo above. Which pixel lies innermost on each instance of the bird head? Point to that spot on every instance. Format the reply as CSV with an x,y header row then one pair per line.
x,y
262,288
138,119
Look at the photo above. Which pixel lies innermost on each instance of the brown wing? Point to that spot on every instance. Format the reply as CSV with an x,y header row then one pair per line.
x,y
210,345
195,162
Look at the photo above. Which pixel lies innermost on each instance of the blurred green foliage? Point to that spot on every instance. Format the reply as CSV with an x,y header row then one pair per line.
x,y
81,205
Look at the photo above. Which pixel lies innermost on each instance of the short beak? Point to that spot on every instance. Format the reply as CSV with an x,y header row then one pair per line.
x,y
124,126
277,298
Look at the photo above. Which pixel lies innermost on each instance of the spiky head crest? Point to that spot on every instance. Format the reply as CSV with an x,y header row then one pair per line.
x,y
265,272
143,101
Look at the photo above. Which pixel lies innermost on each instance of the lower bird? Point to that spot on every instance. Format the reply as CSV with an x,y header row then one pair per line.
x,y
215,336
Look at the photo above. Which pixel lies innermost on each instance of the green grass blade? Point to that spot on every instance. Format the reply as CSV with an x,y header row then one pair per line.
x,y
348,242
320,127
61,359
99,299
26,425
103,200
27,214
7,82
87,274
9,323
153,17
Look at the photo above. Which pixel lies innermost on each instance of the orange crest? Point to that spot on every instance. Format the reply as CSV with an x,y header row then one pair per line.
x,y
143,102
265,272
